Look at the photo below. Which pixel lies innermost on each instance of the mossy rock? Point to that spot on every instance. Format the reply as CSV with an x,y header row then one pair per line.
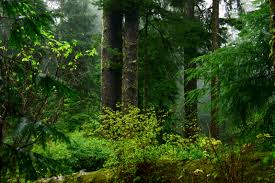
x,y
100,176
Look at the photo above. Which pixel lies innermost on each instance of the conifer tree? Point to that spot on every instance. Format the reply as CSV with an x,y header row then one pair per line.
x,y
190,108
214,82
130,59
111,53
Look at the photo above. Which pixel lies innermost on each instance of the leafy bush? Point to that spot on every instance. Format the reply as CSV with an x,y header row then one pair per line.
x,y
119,125
134,136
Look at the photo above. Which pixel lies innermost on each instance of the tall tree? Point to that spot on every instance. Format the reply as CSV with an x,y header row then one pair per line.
x,y
190,107
146,61
111,53
214,82
130,61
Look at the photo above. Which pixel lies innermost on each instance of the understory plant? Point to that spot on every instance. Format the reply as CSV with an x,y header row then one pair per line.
x,y
138,143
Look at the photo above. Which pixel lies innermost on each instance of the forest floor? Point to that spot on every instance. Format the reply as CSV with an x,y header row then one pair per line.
x,y
248,168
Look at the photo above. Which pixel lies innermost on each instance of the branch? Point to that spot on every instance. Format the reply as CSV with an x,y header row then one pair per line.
x,y
32,143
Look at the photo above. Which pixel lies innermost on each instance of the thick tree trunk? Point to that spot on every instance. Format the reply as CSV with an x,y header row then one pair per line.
x,y
272,30
191,116
130,62
111,63
214,82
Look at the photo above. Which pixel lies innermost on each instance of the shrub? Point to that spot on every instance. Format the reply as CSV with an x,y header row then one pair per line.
x,y
136,149
84,153
120,125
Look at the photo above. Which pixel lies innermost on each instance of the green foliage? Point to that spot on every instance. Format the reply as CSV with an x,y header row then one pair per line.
x,y
168,45
80,25
16,155
134,123
37,91
133,133
83,153
24,21
134,137
245,76
32,100
50,96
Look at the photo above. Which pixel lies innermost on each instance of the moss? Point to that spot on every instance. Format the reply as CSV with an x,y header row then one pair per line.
x,y
249,167
100,176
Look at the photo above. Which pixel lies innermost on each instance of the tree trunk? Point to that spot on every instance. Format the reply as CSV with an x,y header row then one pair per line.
x,y
214,82
190,107
1,144
146,64
272,30
4,80
130,62
111,61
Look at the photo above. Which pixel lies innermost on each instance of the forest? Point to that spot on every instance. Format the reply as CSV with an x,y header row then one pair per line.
x,y
143,91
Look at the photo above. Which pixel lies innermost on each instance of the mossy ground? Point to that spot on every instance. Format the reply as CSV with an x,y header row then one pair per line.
x,y
235,169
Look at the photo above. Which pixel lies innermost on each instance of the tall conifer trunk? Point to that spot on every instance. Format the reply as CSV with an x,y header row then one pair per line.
x,y
214,82
111,61
190,107
130,62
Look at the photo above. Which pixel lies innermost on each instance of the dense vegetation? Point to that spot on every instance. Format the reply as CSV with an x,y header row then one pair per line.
x,y
162,91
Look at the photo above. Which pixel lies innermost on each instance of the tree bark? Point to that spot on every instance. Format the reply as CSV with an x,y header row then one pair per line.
x,y
130,62
146,64
190,107
1,144
111,52
214,81
4,80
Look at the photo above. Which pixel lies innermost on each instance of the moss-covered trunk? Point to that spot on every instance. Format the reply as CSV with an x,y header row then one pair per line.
x,y
111,61
130,62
